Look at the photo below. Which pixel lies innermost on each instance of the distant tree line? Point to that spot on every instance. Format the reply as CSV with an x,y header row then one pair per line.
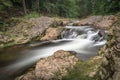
x,y
65,8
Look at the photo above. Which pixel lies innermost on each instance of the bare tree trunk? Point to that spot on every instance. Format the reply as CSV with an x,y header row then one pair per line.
x,y
24,6
38,5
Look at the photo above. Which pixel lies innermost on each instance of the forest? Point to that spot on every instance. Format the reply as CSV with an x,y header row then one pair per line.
x,y
59,39
12,9
64,8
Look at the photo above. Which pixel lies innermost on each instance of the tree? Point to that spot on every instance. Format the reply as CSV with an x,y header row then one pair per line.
x,y
24,6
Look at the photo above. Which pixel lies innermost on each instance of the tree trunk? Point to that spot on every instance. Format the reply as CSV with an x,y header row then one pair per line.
x,y
38,5
24,7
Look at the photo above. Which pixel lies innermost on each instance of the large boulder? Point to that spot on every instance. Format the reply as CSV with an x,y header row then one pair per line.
x,y
53,67
25,31
102,22
51,34
30,29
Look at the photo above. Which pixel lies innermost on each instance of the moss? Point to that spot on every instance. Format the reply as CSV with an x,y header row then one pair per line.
x,y
6,45
82,70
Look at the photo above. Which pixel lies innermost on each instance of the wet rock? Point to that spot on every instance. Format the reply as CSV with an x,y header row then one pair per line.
x,y
53,67
51,34
102,33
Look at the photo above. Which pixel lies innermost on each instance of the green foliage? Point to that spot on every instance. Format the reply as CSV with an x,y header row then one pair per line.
x,y
7,3
105,6
65,8
17,0
15,20
84,7
80,72
32,15
1,7
79,8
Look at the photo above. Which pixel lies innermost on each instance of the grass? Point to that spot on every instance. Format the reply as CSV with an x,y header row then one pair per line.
x,y
82,70
32,15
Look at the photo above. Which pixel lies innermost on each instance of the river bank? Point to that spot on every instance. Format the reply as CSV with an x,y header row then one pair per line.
x,y
28,30
41,31
35,28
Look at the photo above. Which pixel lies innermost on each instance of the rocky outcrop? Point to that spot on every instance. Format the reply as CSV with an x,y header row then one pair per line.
x,y
51,34
4,38
110,67
30,29
53,67
33,29
102,22
26,30
61,22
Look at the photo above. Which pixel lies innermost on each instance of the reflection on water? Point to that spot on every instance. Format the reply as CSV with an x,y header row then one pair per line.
x,y
10,54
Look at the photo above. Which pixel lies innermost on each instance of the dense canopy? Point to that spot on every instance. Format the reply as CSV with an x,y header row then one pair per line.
x,y
64,8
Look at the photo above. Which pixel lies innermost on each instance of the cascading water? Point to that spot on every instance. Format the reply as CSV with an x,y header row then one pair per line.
x,y
84,40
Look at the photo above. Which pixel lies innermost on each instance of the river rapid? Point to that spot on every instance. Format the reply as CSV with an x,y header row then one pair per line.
x,y
83,40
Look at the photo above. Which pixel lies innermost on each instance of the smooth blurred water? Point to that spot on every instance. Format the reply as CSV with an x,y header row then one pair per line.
x,y
84,40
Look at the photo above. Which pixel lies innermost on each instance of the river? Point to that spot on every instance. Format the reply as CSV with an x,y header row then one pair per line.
x,y
83,40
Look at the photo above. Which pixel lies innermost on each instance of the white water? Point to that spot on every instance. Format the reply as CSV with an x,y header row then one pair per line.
x,y
83,40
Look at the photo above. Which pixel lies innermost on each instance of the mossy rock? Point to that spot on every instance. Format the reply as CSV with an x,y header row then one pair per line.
x,y
84,70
